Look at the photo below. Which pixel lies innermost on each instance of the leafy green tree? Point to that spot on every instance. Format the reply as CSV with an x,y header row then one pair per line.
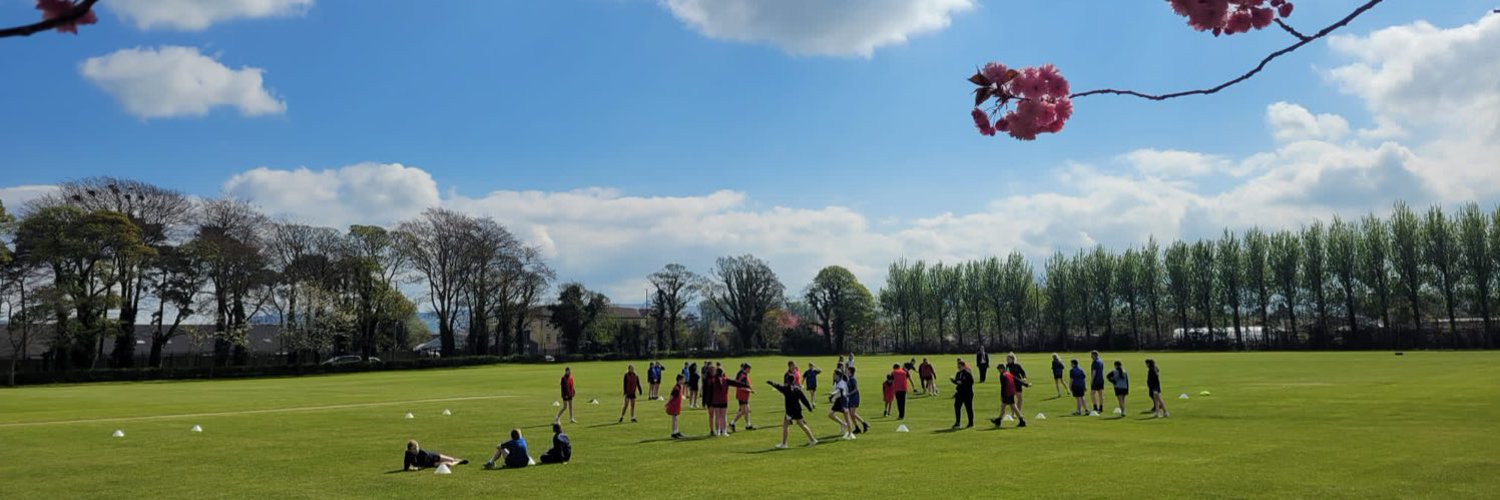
x,y
1406,261
1178,263
1257,277
231,240
1343,266
1127,288
1101,270
1203,283
434,244
1315,277
1058,289
1150,283
1019,283
575,313
1285,257
675,287
1231,280
1375,266
840,303
1441,252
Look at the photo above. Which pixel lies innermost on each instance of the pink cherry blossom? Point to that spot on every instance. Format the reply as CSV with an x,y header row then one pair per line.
x,y
995,72
1231,16
1034,101
57,8
982,121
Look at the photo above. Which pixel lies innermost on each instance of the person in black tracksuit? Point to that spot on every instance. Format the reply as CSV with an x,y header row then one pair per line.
x,y
983,360
795,401
963,393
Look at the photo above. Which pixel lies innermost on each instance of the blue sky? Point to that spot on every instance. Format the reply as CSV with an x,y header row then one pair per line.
x,y
535,111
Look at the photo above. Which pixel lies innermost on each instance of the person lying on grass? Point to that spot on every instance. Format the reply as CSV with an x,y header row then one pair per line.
x,y
511,453
418,458
795,401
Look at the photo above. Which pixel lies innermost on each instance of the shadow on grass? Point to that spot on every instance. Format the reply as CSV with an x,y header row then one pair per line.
x,y
951,430
610,424
666,439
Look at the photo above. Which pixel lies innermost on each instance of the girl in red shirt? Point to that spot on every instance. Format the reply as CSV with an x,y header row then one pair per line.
x,y
567,397
674,406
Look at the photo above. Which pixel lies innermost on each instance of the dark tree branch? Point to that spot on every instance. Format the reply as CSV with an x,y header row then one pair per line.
x,y
1290,29
1303,40
82,9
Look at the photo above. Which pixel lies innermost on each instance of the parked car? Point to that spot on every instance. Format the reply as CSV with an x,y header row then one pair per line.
x,y
349,359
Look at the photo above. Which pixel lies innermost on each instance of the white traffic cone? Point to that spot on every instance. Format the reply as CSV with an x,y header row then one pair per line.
x,y
556,404
1041,416
593,401
1204,393
530,461
1093,413
197,428
1009,418
902,428
118,433
409,415
446,412
443,469
1183,396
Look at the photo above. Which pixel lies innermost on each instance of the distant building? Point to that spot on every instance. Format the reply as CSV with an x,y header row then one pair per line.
x,y
547,339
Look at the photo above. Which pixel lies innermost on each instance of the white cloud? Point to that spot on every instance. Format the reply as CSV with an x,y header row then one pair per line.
x,y
16,197
368,193
197,15
1290,122
1174,163
172,81
818,27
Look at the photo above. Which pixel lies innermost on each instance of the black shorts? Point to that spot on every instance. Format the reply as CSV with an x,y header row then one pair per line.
x,y
1097,385
744,402
1008,400
813,388
839,404
797,415
630,396
1121,392
1057,374
718,405
1078,391
1153,390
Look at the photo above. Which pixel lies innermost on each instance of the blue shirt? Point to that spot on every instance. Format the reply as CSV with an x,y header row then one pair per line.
x,y
1122,381
1077,376
811,377
518,456
1098,369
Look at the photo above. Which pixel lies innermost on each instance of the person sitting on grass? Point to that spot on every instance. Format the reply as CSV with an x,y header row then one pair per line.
x,y
562,447
674,405
1009,387
632,389
418,458
1079,386
1153,385
1057,374
1121,382
795,400
512,454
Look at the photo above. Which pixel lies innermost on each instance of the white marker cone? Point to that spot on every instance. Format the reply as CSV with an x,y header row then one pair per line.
x,y
1183,396
1093,413
197,428
593,401
555,403
446,412
530,461
409,415
1204,393
1041,416
902,428
443,469
118,433
1119,411
1008,418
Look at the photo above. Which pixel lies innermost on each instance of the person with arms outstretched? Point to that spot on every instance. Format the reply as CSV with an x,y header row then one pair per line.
x,y
795,401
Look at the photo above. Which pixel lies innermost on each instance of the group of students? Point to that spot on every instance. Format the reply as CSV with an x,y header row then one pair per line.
x,y
1093,383
510,454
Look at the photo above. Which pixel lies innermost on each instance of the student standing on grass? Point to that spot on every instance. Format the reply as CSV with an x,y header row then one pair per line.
x,y
810,376
795,400
1057,374
1121,382
899,379
723,383
704,371
692,385
963,393
1009,390
562,447
911,369
840,398
418,458
512,454
853,404
567,397
1019,374
1096,382
1153,385
632,389
983,360
1079,386
742,393
653,378
888,392
929,377
710,394
674,405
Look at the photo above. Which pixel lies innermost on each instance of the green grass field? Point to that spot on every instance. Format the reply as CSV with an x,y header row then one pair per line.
x,y
1276,425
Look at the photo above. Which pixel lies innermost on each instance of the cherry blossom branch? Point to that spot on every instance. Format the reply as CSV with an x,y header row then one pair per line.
x,y
1302,40
72,16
